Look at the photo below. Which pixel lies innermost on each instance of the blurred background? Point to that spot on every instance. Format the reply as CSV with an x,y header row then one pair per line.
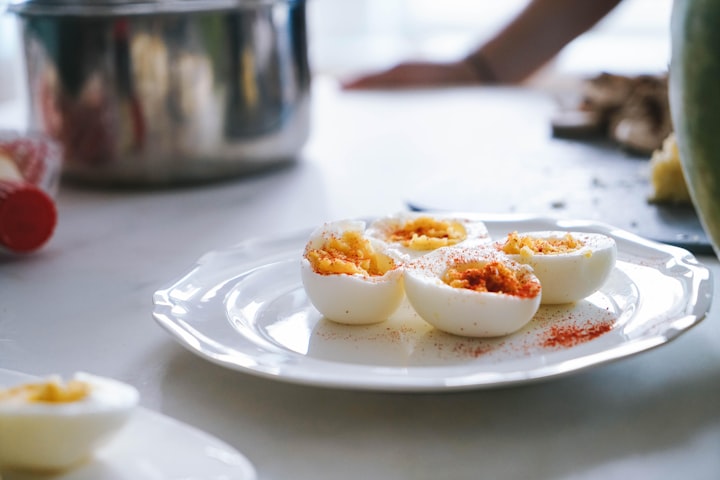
x,y
351,36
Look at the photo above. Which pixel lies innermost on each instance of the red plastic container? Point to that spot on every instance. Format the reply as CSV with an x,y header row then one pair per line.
x,y
29,173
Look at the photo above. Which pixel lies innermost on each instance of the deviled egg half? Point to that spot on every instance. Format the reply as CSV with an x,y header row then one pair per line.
x,y
472,292
412,234
51,425
348,277
570,265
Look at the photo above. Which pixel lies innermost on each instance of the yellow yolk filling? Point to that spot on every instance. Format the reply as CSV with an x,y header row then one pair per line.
x,y
491,277
527,246
425,233
349,253
49,392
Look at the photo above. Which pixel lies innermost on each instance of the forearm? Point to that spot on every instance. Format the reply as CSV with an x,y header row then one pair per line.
x,y
535,36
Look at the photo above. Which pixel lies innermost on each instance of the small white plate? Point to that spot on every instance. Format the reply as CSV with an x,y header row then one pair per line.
x,y
245,308
150,446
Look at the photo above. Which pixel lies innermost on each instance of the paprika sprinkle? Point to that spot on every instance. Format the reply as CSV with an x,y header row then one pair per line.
x,y
571,335
491,277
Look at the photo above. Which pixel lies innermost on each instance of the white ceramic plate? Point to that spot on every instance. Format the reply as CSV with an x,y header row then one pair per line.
x,y
245,308
150,446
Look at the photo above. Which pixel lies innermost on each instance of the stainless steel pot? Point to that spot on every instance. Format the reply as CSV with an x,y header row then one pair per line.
x,y
167,91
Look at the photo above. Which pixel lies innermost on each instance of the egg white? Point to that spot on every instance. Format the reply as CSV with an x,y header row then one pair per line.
x,y
382,228
463,311
572,276
351,299
58,436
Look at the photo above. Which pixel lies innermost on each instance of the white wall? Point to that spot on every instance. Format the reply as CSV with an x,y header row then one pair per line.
x,y
347,36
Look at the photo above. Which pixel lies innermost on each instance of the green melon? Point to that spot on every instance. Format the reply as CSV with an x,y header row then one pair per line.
x,y
694,91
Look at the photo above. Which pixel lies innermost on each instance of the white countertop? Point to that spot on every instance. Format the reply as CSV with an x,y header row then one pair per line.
x,y
84,303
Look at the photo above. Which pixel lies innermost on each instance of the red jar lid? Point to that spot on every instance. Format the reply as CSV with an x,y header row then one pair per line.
x,y
27,216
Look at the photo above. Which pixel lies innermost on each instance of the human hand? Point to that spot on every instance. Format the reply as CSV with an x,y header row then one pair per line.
x,y
417,75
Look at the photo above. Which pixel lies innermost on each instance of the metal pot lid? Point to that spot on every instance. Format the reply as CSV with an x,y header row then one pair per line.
x,y
92,8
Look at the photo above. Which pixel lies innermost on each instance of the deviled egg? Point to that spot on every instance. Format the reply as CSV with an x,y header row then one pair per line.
x,y
473,292
412,234
51,425
570,265
348,277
